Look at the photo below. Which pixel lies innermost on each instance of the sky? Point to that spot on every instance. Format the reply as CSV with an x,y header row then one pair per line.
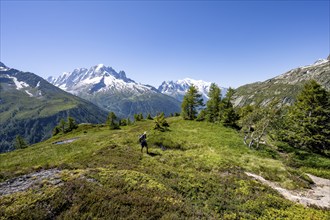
x,y
231,43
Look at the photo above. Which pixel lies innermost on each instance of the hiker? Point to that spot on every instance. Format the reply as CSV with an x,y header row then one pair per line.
x,y
143,141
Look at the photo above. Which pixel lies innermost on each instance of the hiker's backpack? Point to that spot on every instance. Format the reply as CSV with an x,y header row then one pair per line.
x,y
141,138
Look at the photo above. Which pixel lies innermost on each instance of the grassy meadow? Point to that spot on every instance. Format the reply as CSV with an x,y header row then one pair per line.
x,y
193,171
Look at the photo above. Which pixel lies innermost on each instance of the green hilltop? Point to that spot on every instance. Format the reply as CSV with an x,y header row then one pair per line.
x,y
195,170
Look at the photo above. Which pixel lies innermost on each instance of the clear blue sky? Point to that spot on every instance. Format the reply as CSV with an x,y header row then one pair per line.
x,y
228,42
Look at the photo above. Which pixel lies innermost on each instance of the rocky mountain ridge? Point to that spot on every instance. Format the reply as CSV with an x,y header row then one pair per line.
x,y
284,87
178,89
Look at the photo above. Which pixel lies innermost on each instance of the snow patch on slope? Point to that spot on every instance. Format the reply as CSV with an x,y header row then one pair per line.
x,y
19,84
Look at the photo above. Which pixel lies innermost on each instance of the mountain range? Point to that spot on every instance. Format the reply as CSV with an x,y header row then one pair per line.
x,y
178,89
113,91
284,87
31,107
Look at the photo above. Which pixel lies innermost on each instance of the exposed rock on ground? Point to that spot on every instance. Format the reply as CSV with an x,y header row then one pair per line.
x,y
318,195
27,181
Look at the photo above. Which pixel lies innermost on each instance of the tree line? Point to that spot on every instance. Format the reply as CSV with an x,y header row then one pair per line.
x,y
304,125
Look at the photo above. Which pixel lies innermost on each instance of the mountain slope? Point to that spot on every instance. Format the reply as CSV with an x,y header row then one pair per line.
x,y
178,89
284,87
31,107
115,92
199,173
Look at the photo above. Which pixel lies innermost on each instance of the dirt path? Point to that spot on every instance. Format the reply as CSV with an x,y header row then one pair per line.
x,y
319,194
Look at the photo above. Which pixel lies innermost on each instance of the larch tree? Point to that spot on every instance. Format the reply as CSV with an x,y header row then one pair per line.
x,y
190,104
227,113
212,105
111,121
308,120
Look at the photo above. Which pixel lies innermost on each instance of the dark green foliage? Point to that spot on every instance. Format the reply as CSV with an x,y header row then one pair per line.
x,y
125,122
212,105
56,131
129,122
71,124
65,126
62,126
202,115
190,104
308,120
149,117
160,122
112,121
138,117
228,115
20,143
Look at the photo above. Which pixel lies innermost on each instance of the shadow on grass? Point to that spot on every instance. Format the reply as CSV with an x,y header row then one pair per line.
x,y
152,154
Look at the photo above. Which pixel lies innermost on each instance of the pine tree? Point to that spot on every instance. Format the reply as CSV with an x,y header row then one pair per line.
x,y
20,143
160,122
56,130
111,121
62,125
129,122
72,124
149,117
308,120
227,113
212,105
136,118
191,101
201,116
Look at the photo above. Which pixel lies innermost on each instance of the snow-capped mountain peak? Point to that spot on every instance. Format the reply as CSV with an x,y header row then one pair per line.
x,y
3,67
114,91
98,78
178,89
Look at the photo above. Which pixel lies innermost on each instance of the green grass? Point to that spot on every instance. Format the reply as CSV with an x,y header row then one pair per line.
x,y
200,175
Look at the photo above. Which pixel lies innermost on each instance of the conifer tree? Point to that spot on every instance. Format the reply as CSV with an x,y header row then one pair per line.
x,y
20,143
72,124
202,115
212,105
308,120
160,122
136,117
129,122
62,125
191,101
111,121
149,117
228,115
